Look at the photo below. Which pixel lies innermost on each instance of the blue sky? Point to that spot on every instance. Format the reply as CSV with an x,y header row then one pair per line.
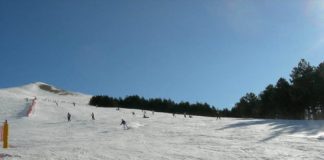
x,y
187,50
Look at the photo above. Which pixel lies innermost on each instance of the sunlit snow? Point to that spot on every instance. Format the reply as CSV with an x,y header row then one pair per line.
x,y
46,134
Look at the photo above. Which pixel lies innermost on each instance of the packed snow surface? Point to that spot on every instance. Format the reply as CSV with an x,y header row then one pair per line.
x,y
46,134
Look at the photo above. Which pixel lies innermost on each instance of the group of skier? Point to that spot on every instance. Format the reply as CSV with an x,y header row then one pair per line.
x,y
124,123
69,116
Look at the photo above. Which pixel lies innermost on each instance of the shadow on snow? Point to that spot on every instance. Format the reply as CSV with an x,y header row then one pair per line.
x,y
279,127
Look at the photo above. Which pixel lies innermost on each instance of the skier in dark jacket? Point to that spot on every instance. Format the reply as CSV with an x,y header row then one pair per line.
x,y
92,116
144,115
123,122
218,115
69,117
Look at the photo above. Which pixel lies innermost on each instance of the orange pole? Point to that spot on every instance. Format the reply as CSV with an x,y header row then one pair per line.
x,y
5,134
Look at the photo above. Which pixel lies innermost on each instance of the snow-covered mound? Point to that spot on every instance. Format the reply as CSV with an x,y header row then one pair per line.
x,y
47,135
15,101
43,90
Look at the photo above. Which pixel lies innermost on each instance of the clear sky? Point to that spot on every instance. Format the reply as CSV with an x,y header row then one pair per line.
x,y
210,51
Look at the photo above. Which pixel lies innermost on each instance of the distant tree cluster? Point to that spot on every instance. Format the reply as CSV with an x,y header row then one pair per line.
x,y
154,104
301,98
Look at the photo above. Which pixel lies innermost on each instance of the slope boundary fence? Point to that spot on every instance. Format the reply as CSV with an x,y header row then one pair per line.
x,y
31,108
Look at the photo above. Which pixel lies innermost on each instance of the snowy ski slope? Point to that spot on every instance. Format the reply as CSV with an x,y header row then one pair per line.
x,y
47,135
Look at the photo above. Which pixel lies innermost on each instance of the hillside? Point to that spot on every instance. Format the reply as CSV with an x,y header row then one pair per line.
x,y
46,134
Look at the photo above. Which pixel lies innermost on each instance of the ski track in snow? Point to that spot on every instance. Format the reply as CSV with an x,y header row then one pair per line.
x,y
47,135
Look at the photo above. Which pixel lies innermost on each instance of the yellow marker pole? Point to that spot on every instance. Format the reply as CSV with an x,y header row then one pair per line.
x,y
5,134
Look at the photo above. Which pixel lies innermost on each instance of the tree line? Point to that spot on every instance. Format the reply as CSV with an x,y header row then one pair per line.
x,y
302,97
154,104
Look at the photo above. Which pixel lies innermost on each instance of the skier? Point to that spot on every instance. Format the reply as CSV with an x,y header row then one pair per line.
x,y
123,122
144,115
92,116
73,104
69,117
185,115
133,113
173,114
218,115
